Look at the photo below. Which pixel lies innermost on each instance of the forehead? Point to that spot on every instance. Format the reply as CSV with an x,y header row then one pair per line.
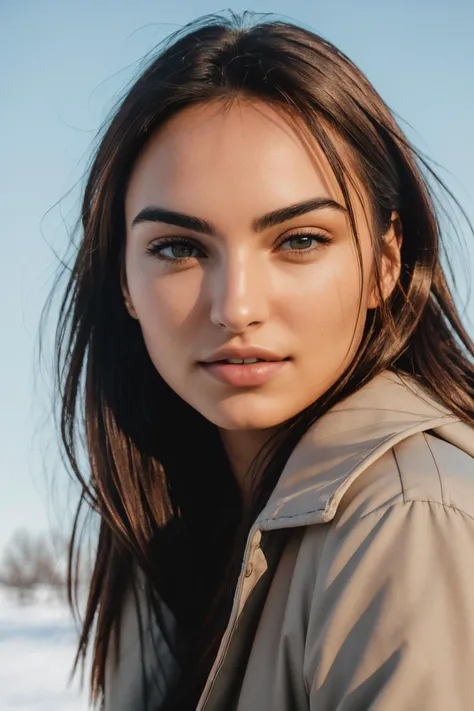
x,y
239,159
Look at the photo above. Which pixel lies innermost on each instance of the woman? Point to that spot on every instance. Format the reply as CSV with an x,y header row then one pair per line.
x,y
276,391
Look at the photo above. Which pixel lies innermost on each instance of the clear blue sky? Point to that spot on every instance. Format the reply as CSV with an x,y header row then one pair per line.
x,y
63,62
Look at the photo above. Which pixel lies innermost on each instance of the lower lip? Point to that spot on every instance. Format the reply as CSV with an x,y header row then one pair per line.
x,y
246,375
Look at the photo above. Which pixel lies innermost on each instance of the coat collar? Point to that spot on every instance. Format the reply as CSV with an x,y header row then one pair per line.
x,y
344,442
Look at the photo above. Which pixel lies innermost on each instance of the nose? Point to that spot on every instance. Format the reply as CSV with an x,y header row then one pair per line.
x,y
239,293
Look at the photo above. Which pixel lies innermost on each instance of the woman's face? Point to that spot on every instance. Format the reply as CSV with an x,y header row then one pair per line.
x,y
238,240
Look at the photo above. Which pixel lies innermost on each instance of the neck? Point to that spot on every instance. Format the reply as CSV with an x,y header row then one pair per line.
x,y
241,447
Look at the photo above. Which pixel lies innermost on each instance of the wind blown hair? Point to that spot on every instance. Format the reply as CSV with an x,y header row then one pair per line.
x,y
156,473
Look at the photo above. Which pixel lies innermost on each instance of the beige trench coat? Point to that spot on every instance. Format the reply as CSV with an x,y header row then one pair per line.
x,y
369,601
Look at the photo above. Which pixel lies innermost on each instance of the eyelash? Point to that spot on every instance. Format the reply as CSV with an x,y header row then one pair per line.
x,y
156,249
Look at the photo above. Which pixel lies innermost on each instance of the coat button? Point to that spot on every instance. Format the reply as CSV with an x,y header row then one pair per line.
x,y
249,570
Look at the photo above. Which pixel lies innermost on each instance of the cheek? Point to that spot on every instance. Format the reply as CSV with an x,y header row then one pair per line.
x,y
326,305
166,306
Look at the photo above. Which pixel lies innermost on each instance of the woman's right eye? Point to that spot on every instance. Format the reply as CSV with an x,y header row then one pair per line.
x,y
175,250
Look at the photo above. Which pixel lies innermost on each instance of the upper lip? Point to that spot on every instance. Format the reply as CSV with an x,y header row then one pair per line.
x,y
242,353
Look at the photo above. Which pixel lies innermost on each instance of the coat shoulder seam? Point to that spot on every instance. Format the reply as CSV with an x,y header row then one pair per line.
x,y
401,503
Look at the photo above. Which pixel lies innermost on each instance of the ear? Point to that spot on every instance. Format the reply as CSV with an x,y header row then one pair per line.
x,y
126,293
390,266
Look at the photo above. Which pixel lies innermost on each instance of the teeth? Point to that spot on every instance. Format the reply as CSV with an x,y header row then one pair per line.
x,y
239,361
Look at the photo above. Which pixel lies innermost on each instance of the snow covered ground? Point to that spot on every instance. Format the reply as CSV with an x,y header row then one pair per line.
x,y
37,645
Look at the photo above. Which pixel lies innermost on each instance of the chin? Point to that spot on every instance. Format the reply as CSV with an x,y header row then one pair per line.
x,y
230,415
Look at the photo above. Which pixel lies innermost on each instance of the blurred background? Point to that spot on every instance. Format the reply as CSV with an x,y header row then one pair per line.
x,y
64,66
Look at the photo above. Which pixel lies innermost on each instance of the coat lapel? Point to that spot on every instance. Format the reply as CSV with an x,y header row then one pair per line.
x,y
344,442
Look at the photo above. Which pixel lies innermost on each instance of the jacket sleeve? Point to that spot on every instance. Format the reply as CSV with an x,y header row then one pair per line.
x,y
391,624
137,679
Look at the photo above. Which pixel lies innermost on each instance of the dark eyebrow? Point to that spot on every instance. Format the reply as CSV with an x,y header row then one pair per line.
x,y
288,213
153,213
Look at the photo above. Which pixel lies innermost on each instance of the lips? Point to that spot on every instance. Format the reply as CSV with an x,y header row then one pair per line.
x,y
244,375
245,361
242,354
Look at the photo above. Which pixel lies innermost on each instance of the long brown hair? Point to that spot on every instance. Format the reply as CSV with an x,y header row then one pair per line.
x,y
145,445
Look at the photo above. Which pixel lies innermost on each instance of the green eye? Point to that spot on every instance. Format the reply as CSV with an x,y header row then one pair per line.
x,y
299,242
304,242
174,250
179,251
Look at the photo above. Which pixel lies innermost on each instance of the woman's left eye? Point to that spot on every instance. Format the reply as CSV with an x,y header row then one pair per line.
x,y
304,242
